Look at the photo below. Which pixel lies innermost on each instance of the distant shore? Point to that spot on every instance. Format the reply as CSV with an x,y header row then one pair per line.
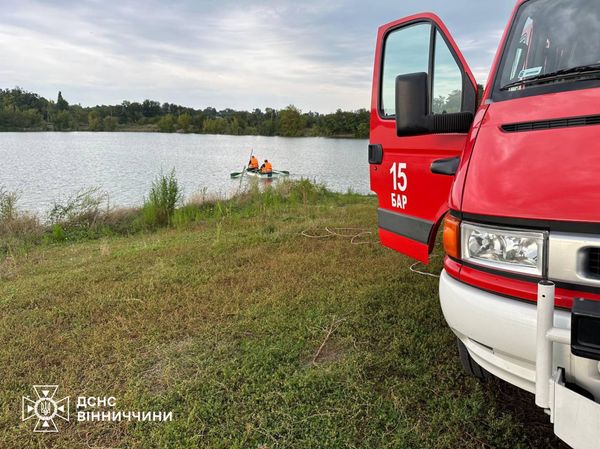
x,y
154,129
27,111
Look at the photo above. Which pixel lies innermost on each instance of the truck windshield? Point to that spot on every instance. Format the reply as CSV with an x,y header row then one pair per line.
x,y
552,41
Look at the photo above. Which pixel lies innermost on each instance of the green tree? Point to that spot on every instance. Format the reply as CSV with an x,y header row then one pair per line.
x,y
266,127
235,128
452,103
150,108
214,126
110,123
184,121
362,132
438,104
94,122
166,124
32,118
62,121
79,114
61,103
291,122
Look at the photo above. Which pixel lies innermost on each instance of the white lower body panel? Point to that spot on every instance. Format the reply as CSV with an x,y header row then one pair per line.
x,y
500,335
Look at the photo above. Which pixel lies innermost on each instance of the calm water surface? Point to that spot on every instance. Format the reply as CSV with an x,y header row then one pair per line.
x,y
45,167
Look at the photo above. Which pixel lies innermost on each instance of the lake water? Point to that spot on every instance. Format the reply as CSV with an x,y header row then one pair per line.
x,y
45,167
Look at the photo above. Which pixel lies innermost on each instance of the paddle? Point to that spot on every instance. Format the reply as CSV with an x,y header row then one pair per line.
x,y
246,167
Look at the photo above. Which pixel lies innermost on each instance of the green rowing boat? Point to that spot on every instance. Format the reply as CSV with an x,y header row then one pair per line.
x,y
257,174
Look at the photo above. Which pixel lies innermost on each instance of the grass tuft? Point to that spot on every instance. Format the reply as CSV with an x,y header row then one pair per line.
x,y
17,230
165,194
8,204
83,210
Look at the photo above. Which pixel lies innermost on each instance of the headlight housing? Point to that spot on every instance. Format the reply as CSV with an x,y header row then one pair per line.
x,y
503,248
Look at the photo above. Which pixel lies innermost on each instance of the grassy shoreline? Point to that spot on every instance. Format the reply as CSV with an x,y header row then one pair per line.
x,y
89,215
251,333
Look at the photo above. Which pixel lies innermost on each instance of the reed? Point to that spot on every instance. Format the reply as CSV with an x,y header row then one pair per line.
x,y
165,195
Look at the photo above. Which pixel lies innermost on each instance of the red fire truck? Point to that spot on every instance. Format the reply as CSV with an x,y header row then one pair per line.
x,y
513,176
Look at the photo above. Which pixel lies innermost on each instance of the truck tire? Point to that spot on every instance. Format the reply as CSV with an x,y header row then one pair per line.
x,y
470,366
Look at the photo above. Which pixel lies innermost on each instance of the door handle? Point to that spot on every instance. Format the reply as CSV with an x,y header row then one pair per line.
x,y
375,153
446,167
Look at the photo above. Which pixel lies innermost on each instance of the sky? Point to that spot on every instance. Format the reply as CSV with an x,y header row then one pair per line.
x,y
317,55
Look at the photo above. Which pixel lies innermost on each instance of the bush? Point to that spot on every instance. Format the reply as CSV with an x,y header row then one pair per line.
x,y
165,195
16,229
8,205
110,123
84,210
166,124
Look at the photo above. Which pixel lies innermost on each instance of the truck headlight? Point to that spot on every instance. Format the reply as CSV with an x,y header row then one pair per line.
x,y
504,249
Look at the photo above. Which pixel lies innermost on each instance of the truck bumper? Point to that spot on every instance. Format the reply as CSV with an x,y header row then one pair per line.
x,y
500,335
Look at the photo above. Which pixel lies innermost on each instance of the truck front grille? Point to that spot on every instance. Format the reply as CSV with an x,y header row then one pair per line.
x,y
591,264
574,258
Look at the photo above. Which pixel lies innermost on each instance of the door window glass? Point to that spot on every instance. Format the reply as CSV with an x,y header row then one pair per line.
x,y
406,51
447,80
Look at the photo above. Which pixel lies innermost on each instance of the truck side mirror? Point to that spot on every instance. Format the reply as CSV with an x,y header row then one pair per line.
x,y
412,110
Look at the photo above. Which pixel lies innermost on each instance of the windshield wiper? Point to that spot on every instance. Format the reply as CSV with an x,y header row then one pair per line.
x,y
552,76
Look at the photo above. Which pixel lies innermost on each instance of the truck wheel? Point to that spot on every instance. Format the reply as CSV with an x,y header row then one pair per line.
x,y
470,366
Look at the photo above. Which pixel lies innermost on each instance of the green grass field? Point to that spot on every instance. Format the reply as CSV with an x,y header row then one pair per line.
x,y
253,335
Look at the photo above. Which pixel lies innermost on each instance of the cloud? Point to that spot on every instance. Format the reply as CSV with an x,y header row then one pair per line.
x,y
317,55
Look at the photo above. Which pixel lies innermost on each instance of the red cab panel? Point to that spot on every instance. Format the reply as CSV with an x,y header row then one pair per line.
x,y
537,174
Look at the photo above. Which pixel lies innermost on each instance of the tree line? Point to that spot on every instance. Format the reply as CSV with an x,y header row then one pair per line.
x,y
26,111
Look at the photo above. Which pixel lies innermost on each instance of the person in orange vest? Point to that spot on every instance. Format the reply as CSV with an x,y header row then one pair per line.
x,y
266,168
253,163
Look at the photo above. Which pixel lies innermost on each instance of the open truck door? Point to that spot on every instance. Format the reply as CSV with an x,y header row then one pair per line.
x,y
423,102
